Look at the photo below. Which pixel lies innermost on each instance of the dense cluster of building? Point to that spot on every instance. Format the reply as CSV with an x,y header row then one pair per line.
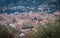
x,y
26,22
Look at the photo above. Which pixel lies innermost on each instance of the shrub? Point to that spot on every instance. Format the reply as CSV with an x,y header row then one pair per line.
x,y
47,31
6,32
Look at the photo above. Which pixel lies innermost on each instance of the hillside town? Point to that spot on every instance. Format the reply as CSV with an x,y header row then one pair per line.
x,y
27,22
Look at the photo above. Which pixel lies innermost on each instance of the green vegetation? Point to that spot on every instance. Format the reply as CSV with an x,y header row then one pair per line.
x,y
50,30
6,32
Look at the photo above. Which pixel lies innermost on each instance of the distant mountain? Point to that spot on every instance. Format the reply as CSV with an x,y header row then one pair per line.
x,y
11,6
